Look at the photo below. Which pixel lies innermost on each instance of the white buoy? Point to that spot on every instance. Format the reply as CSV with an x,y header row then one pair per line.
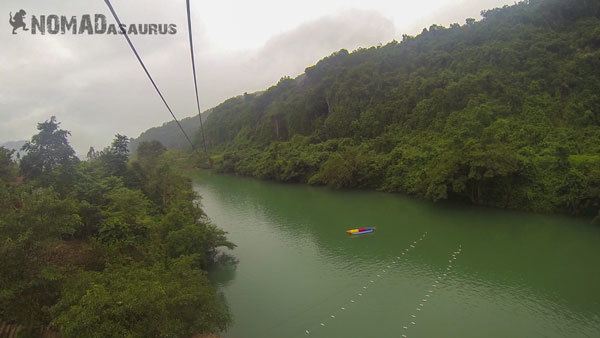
x,y
418,309
351,300
360,294
322,324
413,323
307,332
332,316
343,308
413,316
405,327
364,287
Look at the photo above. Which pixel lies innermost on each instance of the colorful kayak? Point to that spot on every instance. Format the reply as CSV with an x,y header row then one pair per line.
x,y
360,231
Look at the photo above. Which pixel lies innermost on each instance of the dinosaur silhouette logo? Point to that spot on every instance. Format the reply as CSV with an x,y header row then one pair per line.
x,y
85,24
18,21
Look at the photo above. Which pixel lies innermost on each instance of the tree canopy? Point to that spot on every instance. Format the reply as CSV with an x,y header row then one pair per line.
x,y
47,151
115,239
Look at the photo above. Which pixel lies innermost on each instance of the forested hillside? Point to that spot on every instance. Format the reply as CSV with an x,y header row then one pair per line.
x,y
108,247
504,112
168,134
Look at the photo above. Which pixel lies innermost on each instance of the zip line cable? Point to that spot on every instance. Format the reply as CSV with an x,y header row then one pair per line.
x,y
189,22
112,10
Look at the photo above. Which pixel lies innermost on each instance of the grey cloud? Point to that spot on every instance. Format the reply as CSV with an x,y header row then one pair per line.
x,y
295,50
94,85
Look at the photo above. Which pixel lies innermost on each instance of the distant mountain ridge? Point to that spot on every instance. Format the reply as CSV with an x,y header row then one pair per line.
x,y
169,134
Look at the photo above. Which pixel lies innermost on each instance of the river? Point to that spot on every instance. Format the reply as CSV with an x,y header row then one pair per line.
x,y
473,272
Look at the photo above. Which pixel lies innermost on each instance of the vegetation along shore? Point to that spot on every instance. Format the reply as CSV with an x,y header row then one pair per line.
x,y
501,112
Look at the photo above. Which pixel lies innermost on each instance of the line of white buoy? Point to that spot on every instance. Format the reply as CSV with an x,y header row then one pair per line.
x,y
429,292
379,275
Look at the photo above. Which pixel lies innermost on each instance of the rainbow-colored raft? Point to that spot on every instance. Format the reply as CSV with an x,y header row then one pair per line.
x,y
360,231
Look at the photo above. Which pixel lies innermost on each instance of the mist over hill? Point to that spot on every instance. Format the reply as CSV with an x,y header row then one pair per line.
x,y
504,112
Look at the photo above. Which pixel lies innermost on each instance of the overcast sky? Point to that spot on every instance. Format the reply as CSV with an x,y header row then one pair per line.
x,y
96,88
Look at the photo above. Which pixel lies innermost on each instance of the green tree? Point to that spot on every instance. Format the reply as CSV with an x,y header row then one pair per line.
x,y
127,219
150,151
114,158
91,154
177,301
48,151
8,167
98,250
32,219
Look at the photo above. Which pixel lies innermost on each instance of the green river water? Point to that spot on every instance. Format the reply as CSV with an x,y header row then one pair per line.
x,y
517,274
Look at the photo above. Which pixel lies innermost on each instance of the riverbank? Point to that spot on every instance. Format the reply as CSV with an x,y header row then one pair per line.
x,y
219,165
453,113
